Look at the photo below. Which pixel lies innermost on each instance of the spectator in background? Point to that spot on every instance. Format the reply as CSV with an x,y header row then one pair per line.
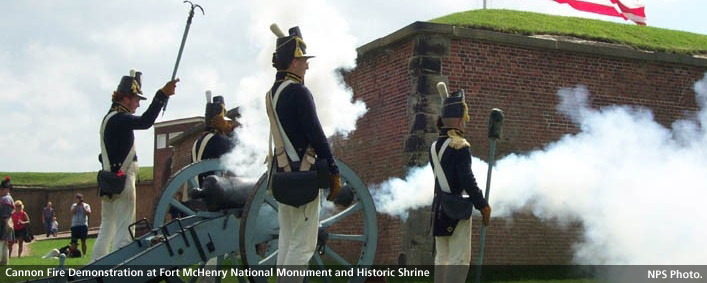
x,y
79,221
47,217
55,226
20,219
6,208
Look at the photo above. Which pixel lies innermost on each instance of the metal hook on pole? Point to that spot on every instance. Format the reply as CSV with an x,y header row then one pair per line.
x,y
184,40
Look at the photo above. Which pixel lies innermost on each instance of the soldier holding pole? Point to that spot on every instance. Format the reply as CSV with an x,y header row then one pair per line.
x,y
118,139
450,156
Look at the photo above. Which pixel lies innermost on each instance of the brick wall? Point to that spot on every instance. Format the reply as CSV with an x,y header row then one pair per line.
x,y
164,167
396,76
182,152
35,199
523,82
373,150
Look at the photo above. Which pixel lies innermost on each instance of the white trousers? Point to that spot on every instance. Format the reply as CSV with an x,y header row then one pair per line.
x,y
299,227
54,253
453,254
210,265
117,214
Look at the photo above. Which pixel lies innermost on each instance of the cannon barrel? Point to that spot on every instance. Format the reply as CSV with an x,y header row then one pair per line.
x,y
256,236
345,196
221,193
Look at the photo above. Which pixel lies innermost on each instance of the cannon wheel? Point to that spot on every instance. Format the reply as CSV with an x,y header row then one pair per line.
x,y
167,199
258,240
185,176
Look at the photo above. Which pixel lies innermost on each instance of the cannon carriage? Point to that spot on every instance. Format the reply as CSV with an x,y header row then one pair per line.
x,y
237,236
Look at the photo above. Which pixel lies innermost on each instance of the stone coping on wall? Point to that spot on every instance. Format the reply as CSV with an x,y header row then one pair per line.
x,y
563,43
68,187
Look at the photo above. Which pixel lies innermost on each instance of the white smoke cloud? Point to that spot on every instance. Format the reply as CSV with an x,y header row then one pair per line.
x,y
396,196
637,186
328,38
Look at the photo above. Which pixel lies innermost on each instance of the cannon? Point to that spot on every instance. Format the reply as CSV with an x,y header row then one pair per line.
x,y
237,235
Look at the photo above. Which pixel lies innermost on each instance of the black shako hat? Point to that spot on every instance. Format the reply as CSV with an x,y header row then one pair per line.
x,y
453,105
288,47
214,107
132,84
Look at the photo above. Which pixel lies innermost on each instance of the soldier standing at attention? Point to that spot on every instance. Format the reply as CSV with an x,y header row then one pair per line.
x,y
294,107
118,211
451,153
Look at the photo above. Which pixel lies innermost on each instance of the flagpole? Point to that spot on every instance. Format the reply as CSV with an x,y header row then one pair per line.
x,y
484,4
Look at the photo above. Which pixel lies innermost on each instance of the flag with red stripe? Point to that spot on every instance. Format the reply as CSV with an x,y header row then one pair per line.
x,y
633,10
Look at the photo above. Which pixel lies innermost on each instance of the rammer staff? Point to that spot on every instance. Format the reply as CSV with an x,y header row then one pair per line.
x,y
184,40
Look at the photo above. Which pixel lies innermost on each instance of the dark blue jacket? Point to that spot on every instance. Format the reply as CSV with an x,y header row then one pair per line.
x,y
217,146
298,117
118,134
456,164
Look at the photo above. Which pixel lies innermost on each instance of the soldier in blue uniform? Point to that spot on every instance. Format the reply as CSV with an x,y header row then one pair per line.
x,y
215,141
294,105
453,154
118,211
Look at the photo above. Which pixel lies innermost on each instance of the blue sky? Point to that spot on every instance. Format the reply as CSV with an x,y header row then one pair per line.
x,y
59,62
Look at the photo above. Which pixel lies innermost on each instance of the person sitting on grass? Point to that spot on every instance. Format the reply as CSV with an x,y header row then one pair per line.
x,y
71,250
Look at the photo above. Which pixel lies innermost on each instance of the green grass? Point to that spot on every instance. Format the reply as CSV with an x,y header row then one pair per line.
x,y
35,261
56,179
527,23
40,248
